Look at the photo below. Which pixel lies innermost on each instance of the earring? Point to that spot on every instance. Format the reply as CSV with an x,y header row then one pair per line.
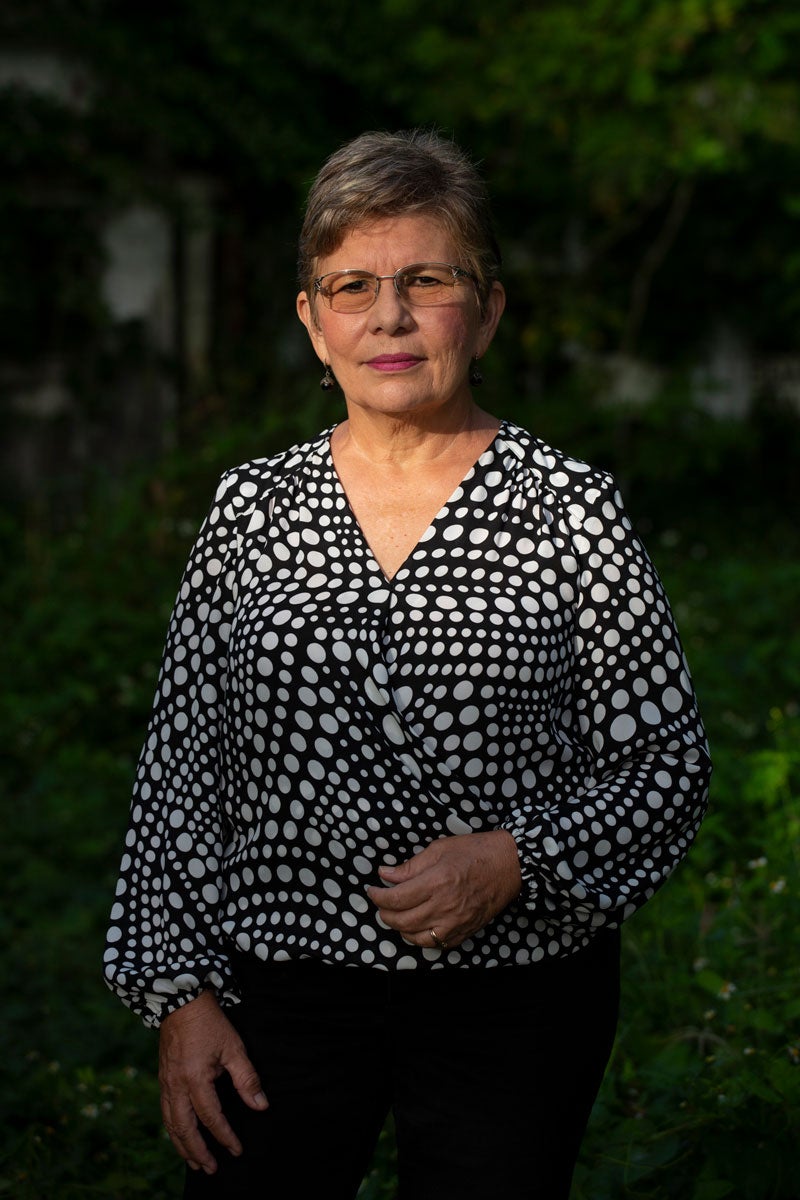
x,y
327,383
475,377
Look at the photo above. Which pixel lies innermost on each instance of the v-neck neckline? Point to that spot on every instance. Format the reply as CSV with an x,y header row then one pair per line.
x,y
426,534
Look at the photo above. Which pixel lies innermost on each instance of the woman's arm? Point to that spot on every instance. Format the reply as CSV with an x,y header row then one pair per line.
x,y
164,943
593,858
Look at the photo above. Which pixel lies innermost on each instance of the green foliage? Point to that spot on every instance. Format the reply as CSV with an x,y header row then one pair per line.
x,y
630,147
643,157
87,1133
703,1095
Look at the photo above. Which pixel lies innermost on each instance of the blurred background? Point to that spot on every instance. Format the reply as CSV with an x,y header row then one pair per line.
x,y
644,161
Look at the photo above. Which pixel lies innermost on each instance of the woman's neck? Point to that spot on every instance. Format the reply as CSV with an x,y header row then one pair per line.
x,y
410,440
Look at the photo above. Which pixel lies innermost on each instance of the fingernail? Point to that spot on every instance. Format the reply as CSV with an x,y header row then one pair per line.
x,y
209,1170
260,1098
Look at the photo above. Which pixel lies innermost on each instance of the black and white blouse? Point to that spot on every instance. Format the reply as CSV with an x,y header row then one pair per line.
x,y
314,720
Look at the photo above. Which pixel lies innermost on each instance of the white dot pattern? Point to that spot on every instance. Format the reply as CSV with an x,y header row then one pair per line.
x,y
313,720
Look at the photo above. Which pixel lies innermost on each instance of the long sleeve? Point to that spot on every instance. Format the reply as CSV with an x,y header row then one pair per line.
x,y
164,942
629,712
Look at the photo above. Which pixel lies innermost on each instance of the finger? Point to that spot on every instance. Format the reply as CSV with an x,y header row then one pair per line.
x,y
209,1111
246,1081
403,896
181,1125
408,921
411,867
424,937
415,928
432,908
395,873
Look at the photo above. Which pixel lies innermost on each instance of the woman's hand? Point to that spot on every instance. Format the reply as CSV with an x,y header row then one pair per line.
x,y
455,886
197,1044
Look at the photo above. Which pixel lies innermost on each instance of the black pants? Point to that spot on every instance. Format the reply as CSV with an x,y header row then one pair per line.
x,y
491,1075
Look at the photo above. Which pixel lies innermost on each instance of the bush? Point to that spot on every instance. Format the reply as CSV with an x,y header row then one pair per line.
x,y
703,1096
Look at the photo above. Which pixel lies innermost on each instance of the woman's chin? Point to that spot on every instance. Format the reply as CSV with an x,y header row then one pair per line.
x,y
395,397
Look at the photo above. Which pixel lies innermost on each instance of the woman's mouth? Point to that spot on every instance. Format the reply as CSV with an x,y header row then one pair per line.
x,y
393,362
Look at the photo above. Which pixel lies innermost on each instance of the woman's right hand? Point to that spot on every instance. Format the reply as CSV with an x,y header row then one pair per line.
x,y
198,1043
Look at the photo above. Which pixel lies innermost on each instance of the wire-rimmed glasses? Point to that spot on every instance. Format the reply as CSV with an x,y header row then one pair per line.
x,y
427,283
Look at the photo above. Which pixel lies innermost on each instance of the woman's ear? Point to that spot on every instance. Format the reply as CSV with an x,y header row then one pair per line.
x,y
306,313
490,317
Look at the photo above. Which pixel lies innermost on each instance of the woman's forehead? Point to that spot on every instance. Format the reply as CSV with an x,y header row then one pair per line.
x,y
385,244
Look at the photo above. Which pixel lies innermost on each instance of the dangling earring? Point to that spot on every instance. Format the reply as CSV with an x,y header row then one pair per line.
x,y
475,377
327,383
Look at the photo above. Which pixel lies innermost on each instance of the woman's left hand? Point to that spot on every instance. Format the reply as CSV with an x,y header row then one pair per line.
x,y
453,887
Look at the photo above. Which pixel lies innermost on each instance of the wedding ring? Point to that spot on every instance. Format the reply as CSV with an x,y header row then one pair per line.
x,y
440,943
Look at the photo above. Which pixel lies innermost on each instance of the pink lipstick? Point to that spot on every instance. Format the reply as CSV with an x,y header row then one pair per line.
x,y
393,362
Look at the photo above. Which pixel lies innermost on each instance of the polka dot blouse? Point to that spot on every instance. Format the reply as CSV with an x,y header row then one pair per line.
x,y
313,720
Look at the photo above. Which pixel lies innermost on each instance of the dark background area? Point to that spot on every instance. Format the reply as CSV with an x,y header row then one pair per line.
x,y
644,161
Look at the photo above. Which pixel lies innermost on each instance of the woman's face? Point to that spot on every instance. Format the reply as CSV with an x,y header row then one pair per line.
x,y
397,358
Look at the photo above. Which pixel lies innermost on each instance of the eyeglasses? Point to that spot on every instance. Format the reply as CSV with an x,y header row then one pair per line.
x,y
421,283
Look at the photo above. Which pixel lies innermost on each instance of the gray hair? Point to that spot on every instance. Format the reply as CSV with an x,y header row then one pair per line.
x,y
381,175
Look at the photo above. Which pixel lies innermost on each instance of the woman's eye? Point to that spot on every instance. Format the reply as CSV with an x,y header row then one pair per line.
x,y
427,281
352,287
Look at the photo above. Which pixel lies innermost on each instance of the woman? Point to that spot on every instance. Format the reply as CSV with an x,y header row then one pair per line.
x,y
423,738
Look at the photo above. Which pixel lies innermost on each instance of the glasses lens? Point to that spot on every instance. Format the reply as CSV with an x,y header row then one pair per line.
x,y
427,283
421,283
350,291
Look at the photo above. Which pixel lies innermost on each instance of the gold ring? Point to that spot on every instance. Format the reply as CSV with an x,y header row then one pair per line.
x,y
440,943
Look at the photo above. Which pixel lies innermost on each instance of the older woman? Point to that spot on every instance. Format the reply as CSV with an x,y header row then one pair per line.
x,y
423,738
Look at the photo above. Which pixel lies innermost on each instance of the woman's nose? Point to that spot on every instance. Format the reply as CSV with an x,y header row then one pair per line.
x,y
390,312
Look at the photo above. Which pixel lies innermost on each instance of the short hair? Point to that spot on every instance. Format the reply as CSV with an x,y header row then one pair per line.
x,y
379,175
